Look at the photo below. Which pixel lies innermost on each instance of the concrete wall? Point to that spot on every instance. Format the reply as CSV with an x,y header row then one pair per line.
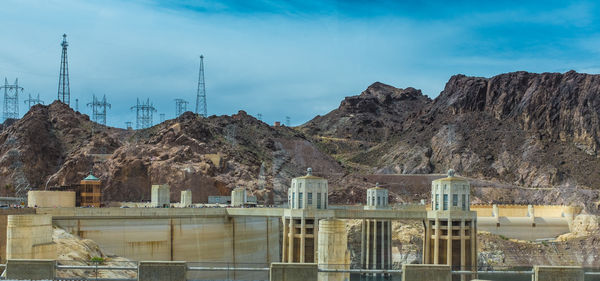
x,y
29,237
162,271
211,240
558,273
545,211
50,199
524,228
293,272
429,272
30,269
3,222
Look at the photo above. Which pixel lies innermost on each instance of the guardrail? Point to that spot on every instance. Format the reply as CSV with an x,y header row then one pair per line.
x,y
90,271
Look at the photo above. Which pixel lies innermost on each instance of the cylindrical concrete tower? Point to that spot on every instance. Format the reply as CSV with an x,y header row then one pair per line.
x,y
333,249
300,227
450,227
376,240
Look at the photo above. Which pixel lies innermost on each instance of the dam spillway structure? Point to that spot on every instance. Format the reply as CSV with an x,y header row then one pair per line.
x,y
376,239
451,226
300,228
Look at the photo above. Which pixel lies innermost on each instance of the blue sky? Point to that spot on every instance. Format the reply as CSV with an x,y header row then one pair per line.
x,y
294,58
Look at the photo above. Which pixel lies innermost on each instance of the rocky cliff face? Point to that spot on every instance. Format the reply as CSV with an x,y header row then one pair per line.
x,y
55,146
518,130
374,115
524,129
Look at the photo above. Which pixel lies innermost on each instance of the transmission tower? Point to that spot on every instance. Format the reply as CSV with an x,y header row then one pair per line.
x,y
128,125
180,107
99,109
11,99
201,92
64,90
287,121
33,101
162,117
259,116
76,104
144,112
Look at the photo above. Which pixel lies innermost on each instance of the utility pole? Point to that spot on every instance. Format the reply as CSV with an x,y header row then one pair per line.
x,y
180,107
11,99
33,101
201,91
64,89
99,109
144,112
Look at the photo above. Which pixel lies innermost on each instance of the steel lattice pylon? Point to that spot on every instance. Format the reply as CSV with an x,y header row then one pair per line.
x,y
201,92
180,107
33,101
99,109
11,99
64,89
144,113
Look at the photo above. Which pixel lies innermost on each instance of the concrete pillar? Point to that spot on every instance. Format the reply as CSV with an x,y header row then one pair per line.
x,y
558,273
284,243
473,230
390,244
449,244
368,246
17,269
291,240
333,249
421,272
302,238
436,242
162,271
363,244
463,254
427,242
374,254
495,211
293,271
316,239
383,243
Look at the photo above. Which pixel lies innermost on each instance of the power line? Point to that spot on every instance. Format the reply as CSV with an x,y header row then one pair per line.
x,y
33,101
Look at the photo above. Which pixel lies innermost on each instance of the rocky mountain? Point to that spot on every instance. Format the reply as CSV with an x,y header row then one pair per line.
x,y
55,146
524,129
520,136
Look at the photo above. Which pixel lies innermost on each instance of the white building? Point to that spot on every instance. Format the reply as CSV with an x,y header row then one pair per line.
x,y
451,193
186,199
377,198
161,195
308,192
238,197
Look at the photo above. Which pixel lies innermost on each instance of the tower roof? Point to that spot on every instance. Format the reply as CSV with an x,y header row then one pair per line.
x,y
91,178
309,175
